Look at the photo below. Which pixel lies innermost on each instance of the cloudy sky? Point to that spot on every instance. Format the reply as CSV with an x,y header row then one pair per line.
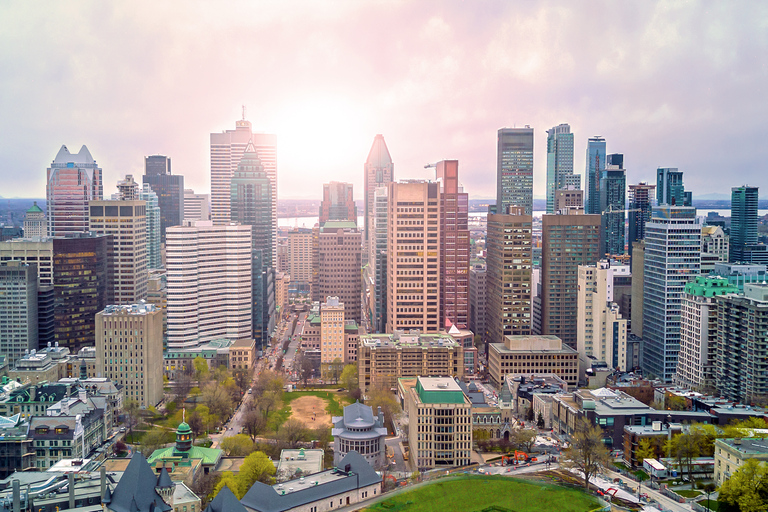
x,y
671,84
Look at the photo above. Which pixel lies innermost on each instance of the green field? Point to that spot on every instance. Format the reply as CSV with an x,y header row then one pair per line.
x,y
474,493
335,407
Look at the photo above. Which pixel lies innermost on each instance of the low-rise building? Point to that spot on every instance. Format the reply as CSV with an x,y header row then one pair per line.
x,y
730,455
440,421
384,358
242,354
58,437
656,433
297,463
184,455
16,450
178,360
46,365
536,354
359,430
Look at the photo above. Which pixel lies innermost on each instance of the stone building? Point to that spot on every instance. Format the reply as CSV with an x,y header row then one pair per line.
x,y
359,430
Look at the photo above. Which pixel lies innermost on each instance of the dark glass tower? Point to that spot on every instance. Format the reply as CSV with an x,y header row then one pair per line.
x,y
640,205
169,189
743,235
595,166
514,169
613,197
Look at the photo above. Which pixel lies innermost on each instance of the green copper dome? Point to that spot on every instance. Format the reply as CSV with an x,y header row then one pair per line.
x,y
183,428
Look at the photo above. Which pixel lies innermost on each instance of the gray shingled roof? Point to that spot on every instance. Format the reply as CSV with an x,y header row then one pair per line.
x,y
225,501
163,479
264,498
136,489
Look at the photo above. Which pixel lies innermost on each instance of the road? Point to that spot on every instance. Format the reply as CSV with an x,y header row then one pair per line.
x,y
663,501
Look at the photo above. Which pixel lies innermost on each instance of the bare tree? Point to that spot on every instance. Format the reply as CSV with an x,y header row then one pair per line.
x,y
254,423
587,453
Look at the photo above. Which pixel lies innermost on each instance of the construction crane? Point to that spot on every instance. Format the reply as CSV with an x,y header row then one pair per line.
x,y
611,209
430,165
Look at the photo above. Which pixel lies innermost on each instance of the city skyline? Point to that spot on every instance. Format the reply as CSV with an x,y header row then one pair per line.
x,y
394,76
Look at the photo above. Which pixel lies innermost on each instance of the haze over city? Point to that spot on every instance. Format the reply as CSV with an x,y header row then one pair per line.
x,y
667,84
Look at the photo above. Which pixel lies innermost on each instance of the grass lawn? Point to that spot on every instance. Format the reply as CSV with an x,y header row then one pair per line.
x,y
713,504
688,493
335,406
474,493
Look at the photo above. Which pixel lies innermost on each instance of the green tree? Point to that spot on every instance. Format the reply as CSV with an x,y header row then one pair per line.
x,y
382,397
242,379
479,434
197,422
151,441
524,439
685,448
306,369
228,479
257,467
587,453
540,421
337,366
238,445
132,409
217,399
350,377
676,403
529,415
747,489
201,369
268,401
645,450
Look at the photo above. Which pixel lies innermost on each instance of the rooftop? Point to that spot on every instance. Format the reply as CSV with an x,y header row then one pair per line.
x,y
133,309
754,446
414,339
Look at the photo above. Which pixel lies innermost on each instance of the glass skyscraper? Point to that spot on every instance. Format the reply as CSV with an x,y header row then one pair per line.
x,y
559,163
743,236
73,181
640,205
514,169
613,197
169,189
594,168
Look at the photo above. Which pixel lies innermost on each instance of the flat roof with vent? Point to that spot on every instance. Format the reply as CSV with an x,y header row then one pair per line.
x,y
439,390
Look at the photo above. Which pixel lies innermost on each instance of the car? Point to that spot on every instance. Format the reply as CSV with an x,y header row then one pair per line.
x,y
122,429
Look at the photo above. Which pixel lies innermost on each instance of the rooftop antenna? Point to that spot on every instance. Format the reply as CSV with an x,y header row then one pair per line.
x,y
243,112
183,414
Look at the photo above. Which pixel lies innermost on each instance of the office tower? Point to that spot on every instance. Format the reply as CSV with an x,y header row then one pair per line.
x,y
154,217
514,169
742,321
157,295
670,189
377,261
638,282
300,258
601,330
568,241
743,223
34,223
413,262
560,163
613,201
714,247
73,181
332,344
454,246
698,332
31,250
135,361
169,189
337,248
196,206
641,198
251,203
209,283
227,149
18,310
80,281
508,307
672,259
739,274
46,319
126,222
338,203
594,170
569,198
527,355
478,298
379,172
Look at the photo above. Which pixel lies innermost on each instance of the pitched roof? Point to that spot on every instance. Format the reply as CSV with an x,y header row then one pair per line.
x,y
358,415
209,456
35,209
225,501
163,479
136,489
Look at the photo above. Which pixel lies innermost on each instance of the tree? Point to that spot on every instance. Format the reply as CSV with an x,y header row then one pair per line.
x,y
747,489
336,368
292,431
120,447
201,369
306,369
268,401
228,479
540,421
254,423
238,445
132,409
524,439
676,403
151,441
203,485
183,385
685,448
479,434
197,420
269,381
242,379
350,377
257,467
529,414
587,453
217,399
645,450
382,397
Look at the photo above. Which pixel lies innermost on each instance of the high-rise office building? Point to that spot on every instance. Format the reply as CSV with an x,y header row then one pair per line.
x,y
594,169
338,203
638,275
251,203
18,310
478,299
34,222
299,265
743,235
209,283
377,262
135,361
698,332
514,169
169,189
337,248
508,277
227,149
670,189
413,263
126,222
31,250
560,163
379,172
73,181
672,259
569,198
641,197
332,342
568,240
154,230
196,206
613,201
454,246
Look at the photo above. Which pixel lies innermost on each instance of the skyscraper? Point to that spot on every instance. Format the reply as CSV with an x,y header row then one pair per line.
x,y
34,222
613,201
568,241
641,198
560,163
514,169
209,283
73,181
338,249
672,259
377,263
669,187
18,309
379,172
338,203
227,149
128,190
413,262
196,206
454,246
169,189
508,275
743,223
594,169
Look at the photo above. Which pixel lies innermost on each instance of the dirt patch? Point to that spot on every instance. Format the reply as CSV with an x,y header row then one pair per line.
x,y
305,408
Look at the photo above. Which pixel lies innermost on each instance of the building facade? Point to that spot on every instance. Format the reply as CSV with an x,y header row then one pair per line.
x,y
478,300
18,309
299,259
377,261
379,172
641,200
569,198
196,206
338,269
560,163
525,355
35,225
73,181
594,168
670,189
613,201
743,234
169,189
359,430
338,203
514,169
